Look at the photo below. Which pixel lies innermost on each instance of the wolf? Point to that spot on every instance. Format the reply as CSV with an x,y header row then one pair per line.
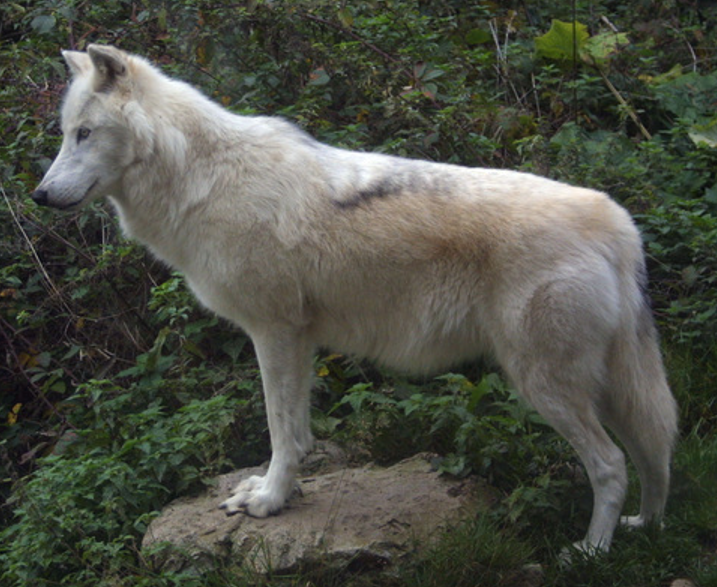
x,y
417,265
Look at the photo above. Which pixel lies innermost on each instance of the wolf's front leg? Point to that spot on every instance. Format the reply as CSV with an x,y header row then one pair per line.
x,y
285,360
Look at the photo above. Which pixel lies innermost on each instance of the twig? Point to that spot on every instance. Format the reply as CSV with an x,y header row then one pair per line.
x,y
129,308
611,26
496,40
694,55
353,35
386,56
535,95
630,111
502,60
48,280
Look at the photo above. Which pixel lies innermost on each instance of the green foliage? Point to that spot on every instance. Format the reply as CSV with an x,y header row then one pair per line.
x,y
683,237
474,554
482,428
563,42
126,455
468,423
118,393
570,41
655,556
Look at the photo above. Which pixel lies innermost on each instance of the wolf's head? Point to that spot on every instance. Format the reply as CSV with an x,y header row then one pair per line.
x,y
105,129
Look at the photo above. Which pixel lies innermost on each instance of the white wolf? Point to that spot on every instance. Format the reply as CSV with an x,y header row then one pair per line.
x,y
417,265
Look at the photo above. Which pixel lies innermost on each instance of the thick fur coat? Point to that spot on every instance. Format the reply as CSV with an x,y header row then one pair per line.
x,y
417,265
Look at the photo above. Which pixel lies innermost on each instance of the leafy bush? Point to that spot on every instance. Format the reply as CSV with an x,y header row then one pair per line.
x,y
482,428
110,372
82,513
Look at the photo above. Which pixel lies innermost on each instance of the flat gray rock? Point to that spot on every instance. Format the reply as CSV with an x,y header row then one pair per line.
x,y
369,515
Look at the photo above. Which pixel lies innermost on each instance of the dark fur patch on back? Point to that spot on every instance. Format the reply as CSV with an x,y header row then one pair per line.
x,y
365,196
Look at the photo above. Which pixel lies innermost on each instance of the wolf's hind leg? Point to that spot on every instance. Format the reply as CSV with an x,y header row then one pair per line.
x,y
603,460
285,360
560,369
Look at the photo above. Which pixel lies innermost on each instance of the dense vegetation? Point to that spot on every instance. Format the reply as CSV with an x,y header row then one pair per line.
x,y
117,393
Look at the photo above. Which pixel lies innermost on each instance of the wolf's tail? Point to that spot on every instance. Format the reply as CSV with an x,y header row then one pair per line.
x,y
643,413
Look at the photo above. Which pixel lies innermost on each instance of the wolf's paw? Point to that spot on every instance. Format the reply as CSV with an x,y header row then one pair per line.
x,y
579,550
638,522
254,498
632,521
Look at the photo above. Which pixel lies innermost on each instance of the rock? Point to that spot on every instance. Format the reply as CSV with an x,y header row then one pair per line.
x,y
682,583
368,516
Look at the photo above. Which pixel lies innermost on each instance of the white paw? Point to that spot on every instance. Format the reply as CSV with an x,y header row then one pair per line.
x,y
253,498
637,522
253,483
579,550
632,521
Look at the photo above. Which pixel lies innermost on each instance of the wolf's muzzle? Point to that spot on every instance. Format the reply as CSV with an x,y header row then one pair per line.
x,y
40,197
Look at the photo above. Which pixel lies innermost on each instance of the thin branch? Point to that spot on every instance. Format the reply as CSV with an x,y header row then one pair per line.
x,y
629,109
48,280
609,24
353,35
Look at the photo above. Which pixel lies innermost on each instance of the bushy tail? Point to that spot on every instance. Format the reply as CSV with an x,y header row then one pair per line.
x,y
643,413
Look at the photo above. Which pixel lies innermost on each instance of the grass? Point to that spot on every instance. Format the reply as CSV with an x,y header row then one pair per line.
x,y
475,553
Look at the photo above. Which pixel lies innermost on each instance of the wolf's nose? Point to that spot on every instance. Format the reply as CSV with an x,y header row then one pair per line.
x,y
40,197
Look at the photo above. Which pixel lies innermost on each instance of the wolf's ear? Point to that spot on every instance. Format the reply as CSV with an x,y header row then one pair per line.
x,y
110,66
77,61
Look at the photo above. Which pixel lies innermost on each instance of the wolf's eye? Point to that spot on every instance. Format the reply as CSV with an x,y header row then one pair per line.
x,y
82,133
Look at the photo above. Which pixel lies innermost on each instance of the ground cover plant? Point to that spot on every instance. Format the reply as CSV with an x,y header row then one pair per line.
x,y
109,371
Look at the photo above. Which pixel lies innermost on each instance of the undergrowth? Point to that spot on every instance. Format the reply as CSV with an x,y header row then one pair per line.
x,y
119,393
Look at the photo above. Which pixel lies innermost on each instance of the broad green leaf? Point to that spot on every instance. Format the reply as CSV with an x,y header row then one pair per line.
x,y
711,195
672,74
346,17
478,37
597,50
562,41
432,73
689,96
43,24
319,77
704,134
